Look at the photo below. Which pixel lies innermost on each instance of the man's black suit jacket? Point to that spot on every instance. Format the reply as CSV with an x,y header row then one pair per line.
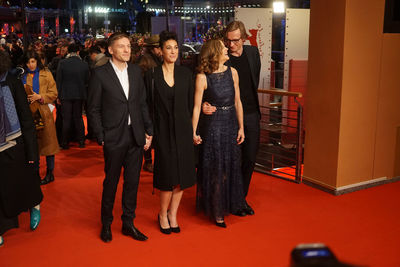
x,y
109,108
253,57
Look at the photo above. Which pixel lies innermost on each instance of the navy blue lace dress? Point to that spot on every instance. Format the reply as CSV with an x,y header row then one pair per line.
x,y
219,184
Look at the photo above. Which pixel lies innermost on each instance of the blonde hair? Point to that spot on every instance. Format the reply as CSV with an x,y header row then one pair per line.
x,y
209,56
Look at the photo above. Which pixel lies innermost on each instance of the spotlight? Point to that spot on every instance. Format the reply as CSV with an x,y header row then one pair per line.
x,y
279,7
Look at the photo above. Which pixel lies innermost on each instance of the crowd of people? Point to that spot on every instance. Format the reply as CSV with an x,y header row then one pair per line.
x,y
203,126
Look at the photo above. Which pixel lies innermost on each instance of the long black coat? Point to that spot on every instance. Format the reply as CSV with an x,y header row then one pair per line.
x,y
19,182
182,123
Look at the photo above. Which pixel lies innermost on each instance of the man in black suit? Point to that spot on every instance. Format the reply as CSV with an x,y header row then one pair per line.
x,y
246,60
121,122
72,79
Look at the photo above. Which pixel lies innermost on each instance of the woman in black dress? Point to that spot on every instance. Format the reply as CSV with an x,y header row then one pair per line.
x,y
219,180
170,90
19,181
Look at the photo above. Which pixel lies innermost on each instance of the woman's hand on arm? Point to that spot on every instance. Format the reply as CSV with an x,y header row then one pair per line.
x,y
208,109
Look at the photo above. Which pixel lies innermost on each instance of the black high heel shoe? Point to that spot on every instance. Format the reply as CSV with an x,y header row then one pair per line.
x,y
174,229
220,224
166,231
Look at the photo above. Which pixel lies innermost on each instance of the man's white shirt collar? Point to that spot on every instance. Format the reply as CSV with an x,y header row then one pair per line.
x,y
116,68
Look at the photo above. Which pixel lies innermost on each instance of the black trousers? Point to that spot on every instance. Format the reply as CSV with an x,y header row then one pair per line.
x,y
123,153
250,147
72,117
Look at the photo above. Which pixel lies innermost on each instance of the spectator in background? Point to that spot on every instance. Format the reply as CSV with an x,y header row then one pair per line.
x,y
97,57
43,92
16,53
3,45
102,44
62,51
72,79
151,58
19,183
53,65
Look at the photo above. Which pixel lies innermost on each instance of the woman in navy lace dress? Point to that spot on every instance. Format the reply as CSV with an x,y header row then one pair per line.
x,y
219,184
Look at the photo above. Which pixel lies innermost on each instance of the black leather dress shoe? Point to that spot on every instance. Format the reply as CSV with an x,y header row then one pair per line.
x,y
248,209
133,232
105,234
240,213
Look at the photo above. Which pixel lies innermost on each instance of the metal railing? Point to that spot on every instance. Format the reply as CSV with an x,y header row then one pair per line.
x,y
282,137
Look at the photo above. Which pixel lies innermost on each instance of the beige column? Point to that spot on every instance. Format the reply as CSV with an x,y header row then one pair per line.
x,y
351,116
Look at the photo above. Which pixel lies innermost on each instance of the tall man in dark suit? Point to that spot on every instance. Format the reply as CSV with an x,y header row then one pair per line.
x,y
72,79
121,122
246,60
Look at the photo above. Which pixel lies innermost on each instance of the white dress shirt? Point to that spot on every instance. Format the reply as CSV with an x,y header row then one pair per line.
x,y
124,80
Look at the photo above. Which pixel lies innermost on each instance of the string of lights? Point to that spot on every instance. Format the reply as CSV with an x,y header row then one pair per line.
x,y
202,9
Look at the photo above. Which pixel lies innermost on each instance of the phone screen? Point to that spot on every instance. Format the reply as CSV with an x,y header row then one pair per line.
x,y
310,253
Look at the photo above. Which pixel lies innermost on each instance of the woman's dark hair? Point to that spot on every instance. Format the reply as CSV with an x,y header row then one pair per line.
x,y
5,62
32,54
165,36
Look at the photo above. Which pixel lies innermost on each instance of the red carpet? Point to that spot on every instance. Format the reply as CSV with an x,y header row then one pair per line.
x,y
361,228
